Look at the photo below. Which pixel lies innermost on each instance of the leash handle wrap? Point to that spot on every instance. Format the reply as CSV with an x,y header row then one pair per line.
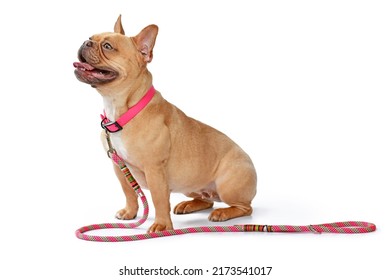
x,y
349,227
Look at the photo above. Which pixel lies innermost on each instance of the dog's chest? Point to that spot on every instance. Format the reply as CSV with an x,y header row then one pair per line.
x,y
117,144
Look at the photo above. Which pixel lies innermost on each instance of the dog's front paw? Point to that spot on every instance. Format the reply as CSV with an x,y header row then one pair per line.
x,y
126,214
159,227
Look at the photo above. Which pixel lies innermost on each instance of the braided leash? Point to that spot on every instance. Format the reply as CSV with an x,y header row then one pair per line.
x,y
349,227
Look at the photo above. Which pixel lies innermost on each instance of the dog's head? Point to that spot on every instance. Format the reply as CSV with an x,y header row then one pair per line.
x,y
111,58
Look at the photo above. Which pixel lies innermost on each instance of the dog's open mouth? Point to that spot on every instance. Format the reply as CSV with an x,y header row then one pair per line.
x,y
86,73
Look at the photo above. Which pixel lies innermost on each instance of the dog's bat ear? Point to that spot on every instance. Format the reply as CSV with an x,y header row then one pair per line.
x,y
145,41
118,28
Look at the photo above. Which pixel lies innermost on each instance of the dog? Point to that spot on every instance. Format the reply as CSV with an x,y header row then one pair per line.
x,y
165,150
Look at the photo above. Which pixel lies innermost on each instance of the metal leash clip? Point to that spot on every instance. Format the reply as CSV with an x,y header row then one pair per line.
x,y
111,149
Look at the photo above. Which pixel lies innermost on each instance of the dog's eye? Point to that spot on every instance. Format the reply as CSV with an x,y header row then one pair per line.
x,y
107,46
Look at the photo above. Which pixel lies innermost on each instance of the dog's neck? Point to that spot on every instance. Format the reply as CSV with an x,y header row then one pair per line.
x,y
117,103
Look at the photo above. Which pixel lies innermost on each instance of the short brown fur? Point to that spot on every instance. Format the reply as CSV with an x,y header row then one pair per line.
x,y
165,150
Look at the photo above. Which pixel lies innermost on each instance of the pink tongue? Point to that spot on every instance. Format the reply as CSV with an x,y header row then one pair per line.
x,y
84,65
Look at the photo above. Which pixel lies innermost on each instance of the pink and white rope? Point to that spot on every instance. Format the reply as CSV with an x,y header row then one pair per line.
x,y
349,227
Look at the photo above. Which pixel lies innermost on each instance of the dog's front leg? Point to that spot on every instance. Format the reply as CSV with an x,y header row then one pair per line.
x,y
157,183
131,208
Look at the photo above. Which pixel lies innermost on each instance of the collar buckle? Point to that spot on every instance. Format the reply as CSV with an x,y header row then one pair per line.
x,y
110,127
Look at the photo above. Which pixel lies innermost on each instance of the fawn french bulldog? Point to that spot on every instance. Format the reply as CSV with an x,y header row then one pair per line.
x,y
165,150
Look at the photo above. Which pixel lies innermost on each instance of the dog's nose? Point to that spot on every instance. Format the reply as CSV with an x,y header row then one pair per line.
x,y
88,43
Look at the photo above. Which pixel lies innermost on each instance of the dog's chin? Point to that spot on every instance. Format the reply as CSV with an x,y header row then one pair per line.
x,y
93,76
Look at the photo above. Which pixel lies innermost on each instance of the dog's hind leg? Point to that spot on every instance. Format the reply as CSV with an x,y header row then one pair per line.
x,y
236,188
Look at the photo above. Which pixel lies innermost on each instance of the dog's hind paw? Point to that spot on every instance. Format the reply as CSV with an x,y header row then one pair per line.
x,y
187,207
224,214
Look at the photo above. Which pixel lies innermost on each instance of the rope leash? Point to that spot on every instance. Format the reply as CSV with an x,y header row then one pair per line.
x,y
349,227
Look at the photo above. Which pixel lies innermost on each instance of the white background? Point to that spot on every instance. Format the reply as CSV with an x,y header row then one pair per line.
x,y
302,86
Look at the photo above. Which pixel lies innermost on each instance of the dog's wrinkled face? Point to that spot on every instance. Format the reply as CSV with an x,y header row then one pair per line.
x,y
112,57
94,66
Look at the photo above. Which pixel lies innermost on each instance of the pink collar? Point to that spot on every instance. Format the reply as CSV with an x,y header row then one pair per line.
x,y
117,125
